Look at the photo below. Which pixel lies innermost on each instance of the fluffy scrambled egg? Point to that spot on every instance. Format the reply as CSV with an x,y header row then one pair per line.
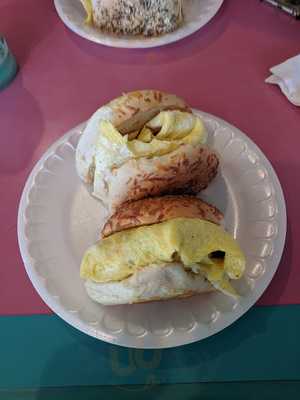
x,y
191,241
162,135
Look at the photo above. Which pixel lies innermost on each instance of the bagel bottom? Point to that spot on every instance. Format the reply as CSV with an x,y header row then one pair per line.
x,y
154,282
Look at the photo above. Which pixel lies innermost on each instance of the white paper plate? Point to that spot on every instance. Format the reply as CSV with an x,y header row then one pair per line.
x,y
197,13
58,220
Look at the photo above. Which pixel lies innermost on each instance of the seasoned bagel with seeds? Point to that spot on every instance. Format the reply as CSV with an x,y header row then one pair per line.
x,y
144,143
134,17
158,209
162,248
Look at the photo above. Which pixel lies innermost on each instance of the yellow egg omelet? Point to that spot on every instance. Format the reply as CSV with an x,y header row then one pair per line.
x,y
87,4
162,135
191,241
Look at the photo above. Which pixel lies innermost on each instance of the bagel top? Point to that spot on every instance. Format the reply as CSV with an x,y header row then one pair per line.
x,y
132,110
158,209
108,139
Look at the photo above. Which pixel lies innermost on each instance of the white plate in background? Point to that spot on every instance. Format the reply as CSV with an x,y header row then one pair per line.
x,y
197,13
58,220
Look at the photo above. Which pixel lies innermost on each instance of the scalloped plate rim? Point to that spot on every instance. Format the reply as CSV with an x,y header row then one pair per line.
x,y
134,342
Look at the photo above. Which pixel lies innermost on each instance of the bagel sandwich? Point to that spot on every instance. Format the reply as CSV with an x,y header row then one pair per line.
x,y
144,143
134,17
162,248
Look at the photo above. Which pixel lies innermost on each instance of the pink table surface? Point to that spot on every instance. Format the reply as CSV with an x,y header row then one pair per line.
x,y
64,78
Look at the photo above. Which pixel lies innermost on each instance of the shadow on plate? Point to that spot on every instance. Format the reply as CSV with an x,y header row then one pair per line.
x,y
217,194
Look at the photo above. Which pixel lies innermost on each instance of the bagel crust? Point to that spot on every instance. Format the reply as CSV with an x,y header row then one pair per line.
x,y
189,169
127,113
158,209
115,176
132,110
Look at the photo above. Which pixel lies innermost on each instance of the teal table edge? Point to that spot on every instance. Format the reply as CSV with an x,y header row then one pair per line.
x,y
42,351
230,390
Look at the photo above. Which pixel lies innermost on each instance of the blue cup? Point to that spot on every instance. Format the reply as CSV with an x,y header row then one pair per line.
x,y
8,65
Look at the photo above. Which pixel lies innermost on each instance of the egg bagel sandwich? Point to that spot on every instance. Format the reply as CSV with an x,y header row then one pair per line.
x,y
162,248
144,143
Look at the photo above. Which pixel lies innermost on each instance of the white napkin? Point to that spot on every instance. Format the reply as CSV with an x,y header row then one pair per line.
x,y
287,76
